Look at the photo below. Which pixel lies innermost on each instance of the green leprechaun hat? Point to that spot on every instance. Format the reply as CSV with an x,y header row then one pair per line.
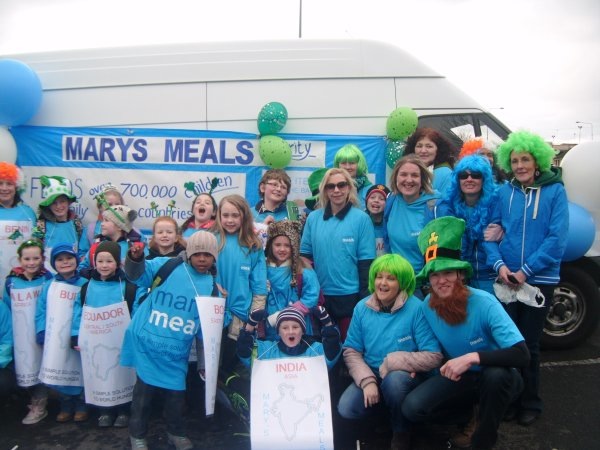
x,y
440,243
55,186
314,180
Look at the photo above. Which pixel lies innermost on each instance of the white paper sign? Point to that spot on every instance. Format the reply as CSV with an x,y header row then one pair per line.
x,y
106,382
290,404
61,365
28,354
12,234
212,312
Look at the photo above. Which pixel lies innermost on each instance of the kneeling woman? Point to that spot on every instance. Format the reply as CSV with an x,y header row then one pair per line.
x,y
389,346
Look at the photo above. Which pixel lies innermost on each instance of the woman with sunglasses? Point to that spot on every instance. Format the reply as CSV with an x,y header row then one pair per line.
x,y
533,211
340,240
410,207
470,197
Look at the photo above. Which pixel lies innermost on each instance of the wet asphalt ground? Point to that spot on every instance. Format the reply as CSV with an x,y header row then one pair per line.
x,y
570,386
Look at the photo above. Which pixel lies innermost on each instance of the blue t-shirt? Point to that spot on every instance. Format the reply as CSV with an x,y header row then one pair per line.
x,y
375,334
487,327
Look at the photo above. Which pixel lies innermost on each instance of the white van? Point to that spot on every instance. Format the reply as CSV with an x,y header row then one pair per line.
x,y
335,91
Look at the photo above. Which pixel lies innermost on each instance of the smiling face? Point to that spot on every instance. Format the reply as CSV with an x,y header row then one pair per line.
x,y
351,167
376,203
408,181
60,208
426,150
443,282
231,218
274,192
8,190
470,186
65,264
523,166
290,332
106,265
31,261
165,235
386,287
281,249
203,209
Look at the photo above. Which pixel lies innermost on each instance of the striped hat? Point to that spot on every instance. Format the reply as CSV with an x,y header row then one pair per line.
x,y
290,313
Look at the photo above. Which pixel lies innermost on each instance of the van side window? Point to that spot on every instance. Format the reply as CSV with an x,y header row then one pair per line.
x,y
461,127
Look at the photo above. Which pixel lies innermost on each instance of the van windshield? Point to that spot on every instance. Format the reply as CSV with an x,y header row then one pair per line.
x,y
461,127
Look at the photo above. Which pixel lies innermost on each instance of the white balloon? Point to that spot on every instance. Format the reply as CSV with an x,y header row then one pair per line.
x,y
580,175
8,146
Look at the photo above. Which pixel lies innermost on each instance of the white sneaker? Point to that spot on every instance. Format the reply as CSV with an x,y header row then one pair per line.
x,y
37,411
138,443
180,442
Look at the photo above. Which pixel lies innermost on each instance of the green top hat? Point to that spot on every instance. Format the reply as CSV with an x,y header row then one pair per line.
x,y
440,243
314,180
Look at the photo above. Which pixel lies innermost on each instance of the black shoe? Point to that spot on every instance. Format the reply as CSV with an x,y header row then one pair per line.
x,y
526,417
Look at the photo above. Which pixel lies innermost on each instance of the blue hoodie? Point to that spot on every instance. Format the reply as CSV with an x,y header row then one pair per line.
x,y
536,223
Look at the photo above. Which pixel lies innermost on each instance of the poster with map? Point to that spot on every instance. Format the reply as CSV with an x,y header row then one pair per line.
x,y
290,404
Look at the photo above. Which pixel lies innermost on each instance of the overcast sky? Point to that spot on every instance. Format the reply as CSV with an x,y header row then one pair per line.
x,y
537,59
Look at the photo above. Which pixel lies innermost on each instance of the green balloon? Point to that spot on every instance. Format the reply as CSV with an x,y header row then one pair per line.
x,y
393,152
274,152
401,123
272,118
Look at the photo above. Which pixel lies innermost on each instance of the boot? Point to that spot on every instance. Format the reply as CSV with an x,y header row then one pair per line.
x,y
462,439
37,411
400,440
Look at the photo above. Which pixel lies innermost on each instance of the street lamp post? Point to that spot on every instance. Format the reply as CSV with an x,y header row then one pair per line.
x,y
585,123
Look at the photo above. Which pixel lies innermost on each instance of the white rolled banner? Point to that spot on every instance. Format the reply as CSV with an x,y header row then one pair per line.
x,y
212,313
106,382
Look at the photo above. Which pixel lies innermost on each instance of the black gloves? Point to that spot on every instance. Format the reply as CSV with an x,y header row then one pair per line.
x,y
256,316
245,343
321,313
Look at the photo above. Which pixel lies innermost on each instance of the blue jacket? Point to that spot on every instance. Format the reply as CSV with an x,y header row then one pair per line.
x,y
6,336
158,340
15,281
403,224
535,222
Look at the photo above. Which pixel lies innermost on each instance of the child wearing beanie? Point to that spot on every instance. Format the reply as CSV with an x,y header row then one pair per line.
x,y
107,286
158,340
375,200
116,226
54,312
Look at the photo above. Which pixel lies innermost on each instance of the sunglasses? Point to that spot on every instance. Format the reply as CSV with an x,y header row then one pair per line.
x,y
474,175
341,185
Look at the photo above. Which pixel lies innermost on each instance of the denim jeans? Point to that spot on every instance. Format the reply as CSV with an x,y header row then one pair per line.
x,y
530,322
439,399
141,407
72,403
393,388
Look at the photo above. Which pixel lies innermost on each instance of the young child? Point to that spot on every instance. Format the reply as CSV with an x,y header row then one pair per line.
x,y
165,240
291,281
158,340
375,200
107,286
116,227
57,223
110,196
241,271
22,290
57,295
273,206
204,212
292,341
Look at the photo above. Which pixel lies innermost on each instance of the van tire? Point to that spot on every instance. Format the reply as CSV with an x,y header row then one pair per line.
x,y
574,312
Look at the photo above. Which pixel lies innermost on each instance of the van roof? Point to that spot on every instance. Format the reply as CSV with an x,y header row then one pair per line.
x,y
221,61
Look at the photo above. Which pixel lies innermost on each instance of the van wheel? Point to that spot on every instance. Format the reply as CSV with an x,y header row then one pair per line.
x,y
574,312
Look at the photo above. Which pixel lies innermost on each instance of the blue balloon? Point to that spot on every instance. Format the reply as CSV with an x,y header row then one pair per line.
x,y
582,232
20,92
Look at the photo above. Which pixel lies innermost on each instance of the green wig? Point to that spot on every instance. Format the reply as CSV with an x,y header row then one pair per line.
x,y
521,142
396,265
351,153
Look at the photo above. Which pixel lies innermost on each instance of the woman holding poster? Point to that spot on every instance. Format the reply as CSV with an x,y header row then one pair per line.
x,y
389,347
16,218
23,287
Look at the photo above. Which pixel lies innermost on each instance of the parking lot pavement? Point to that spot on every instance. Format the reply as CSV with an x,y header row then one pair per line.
x,y
570,387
